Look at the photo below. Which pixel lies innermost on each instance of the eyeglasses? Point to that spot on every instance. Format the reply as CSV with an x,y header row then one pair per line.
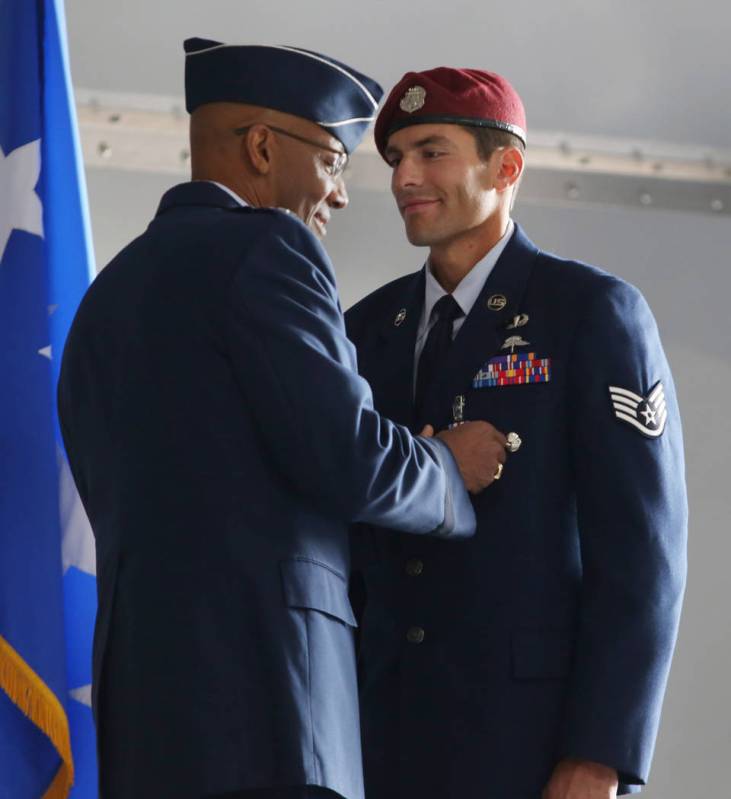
x,y
335,170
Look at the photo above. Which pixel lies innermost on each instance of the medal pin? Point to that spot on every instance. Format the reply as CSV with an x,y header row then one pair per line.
x,y
458,407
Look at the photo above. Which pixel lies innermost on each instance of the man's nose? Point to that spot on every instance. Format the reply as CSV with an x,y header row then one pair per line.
x,y
338,197
405,174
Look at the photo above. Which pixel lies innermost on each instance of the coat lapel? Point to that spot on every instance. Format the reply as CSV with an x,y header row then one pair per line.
x,y
391,371
484,331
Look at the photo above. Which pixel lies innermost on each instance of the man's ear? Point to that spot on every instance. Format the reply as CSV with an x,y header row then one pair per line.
x,y
509,168
257,148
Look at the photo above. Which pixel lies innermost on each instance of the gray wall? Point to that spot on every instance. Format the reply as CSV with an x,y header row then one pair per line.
x,y
681,263
647,68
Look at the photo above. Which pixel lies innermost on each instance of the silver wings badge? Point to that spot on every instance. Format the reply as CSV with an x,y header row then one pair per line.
x,y
646,414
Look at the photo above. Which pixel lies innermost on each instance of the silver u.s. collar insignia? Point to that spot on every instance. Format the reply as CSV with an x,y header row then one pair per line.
x,y
514,341
647,414
413,100
521,320
496,302
400,317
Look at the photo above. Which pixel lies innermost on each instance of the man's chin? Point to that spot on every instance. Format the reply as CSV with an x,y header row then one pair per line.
x,y
419,237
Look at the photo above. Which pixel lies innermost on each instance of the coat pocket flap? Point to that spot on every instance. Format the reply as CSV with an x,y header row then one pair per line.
x,y
316,586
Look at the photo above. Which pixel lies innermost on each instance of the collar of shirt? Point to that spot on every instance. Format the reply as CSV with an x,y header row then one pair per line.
x,y
465,294
230,192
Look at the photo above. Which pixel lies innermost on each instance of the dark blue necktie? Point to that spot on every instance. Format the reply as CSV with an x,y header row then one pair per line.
x,y
434,354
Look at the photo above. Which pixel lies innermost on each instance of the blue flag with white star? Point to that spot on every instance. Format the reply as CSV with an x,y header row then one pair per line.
x,y
47,582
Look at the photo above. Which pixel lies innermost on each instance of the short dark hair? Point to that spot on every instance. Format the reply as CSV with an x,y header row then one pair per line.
x,y
490,139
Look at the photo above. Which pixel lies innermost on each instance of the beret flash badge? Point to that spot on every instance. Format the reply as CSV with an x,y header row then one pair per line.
x,y
413,100
647,414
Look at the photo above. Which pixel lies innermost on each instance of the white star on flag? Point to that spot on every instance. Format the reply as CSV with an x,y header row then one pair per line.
x,y
20,205
47,352
82,694
77,539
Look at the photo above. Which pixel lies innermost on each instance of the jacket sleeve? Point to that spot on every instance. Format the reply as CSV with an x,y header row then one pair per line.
x,y
632,516
298,374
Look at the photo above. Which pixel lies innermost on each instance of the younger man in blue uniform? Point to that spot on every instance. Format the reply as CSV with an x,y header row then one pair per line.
x,y
531,661
221,440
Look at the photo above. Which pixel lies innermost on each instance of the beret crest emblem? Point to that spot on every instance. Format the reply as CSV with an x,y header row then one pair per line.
x,y
413,100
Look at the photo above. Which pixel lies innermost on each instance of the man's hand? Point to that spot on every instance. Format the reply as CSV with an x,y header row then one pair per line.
x,y
478,449
581,779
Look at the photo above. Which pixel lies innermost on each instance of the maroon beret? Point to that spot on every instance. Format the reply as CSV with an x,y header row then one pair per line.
x,y
457,96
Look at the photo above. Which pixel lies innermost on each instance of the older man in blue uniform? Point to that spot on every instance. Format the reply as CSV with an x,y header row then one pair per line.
x,y
531,661
221,441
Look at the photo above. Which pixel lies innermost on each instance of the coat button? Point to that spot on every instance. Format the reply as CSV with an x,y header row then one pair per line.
x,y
414,567
415,635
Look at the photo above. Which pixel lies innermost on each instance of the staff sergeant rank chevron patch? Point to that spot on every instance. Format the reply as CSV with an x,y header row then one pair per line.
x,y
646,414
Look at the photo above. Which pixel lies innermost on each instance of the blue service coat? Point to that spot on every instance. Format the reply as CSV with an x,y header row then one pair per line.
x,y
221,441
550,633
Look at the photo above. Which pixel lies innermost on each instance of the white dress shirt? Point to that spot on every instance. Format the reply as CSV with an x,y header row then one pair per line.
x,y
466,293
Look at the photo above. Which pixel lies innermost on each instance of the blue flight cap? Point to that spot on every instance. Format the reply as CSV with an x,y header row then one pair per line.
x,y
288,79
